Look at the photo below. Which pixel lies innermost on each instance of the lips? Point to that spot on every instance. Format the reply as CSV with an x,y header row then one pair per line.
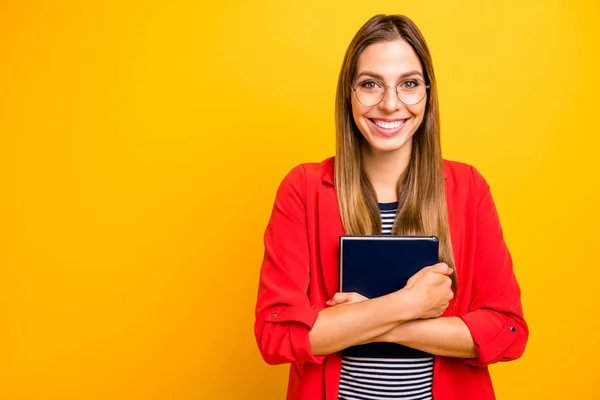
x,y
389,124
388,127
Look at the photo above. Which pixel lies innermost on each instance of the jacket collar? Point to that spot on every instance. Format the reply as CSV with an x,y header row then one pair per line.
x,y
327,171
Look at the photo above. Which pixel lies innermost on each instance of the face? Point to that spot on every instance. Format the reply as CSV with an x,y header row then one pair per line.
x,y
390,125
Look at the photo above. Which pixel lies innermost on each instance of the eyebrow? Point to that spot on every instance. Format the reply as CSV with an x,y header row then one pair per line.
x,y
402,76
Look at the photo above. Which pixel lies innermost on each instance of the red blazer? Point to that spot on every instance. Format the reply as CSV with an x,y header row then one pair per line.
x,y
300,273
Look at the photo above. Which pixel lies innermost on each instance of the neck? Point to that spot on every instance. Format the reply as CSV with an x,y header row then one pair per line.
x,y
384,169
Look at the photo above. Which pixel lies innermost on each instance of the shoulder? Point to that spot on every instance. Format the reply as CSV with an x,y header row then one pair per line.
x,y
464,179
307,176
310,173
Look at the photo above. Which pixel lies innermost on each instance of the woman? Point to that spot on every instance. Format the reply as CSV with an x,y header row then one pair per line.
x,y
388,177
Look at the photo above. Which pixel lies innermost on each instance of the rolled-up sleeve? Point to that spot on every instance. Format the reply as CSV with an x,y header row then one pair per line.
x,y
284,315
495,318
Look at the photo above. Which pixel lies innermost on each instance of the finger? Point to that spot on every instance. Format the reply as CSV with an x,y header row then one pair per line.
x,y
358,297
332,301
413,279
435,313
443,308
338,298
442,268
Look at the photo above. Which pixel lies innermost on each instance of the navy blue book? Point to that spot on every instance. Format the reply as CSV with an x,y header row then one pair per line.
x,y
378,265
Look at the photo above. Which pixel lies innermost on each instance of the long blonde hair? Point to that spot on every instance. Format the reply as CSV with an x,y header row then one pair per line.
x,y
422,206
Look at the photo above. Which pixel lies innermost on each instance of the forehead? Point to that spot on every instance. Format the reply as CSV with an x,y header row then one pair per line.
x,y
389,59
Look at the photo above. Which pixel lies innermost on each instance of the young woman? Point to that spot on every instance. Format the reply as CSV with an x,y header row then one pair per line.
x,y
388,177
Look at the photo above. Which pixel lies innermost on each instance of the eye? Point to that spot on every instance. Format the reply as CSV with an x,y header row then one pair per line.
x,y
409,84
369,85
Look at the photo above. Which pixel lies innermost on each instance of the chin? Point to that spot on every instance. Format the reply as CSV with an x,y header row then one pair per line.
x,y
390,145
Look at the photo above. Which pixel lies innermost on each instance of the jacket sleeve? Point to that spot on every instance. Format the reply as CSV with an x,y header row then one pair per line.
x,y
495,318
284,315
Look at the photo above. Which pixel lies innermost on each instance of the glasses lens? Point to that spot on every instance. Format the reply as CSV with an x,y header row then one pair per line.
x,y
412,92
369,94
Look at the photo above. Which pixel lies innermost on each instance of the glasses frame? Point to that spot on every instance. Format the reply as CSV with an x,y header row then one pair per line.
x,y
385,87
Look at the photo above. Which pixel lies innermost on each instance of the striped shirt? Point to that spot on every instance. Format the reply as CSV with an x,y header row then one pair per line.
x,y
386,378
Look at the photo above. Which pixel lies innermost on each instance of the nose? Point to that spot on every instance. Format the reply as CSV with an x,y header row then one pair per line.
x,y
390,102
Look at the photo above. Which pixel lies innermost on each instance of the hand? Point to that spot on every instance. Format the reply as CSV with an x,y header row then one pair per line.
x,y
429,291
345,298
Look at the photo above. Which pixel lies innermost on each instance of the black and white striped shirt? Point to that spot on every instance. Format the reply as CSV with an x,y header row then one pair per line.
x,y
386,378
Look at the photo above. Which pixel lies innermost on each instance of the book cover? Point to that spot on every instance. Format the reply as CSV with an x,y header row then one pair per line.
x,y
378,265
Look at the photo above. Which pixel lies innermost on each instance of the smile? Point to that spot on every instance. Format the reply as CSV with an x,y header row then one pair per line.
x,y
389,125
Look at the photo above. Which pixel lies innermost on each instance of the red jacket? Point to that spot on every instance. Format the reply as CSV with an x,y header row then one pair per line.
x,y
300,273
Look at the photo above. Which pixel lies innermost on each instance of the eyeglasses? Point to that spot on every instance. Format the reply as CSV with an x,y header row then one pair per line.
x,y
370,92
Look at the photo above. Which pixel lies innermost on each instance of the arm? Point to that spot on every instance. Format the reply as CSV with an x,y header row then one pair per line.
x,y
283,312
287,327
350,324
426,295
495,317
493,329
444,336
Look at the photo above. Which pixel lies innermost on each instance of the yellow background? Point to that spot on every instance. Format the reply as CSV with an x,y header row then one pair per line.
x,y
141,144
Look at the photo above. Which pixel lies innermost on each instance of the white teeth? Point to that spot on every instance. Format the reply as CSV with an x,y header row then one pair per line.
x,y
388,125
